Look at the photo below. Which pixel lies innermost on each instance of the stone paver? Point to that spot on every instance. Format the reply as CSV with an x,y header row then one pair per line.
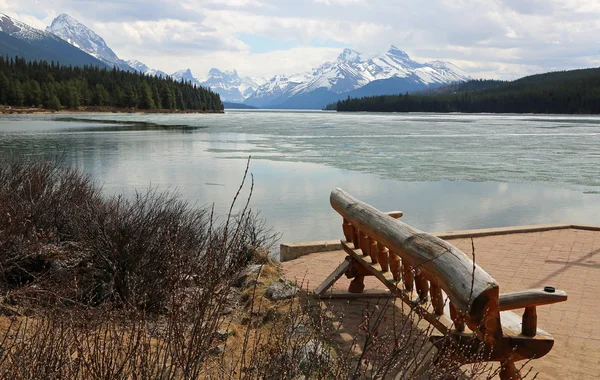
x,y
568,259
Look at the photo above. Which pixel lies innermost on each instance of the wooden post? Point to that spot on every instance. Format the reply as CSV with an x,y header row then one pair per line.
x,y
422,286
357,285
347,228
395,265
355,239
509,371
459,322
529,321
382,254
363,243
407,276
437,298
373,250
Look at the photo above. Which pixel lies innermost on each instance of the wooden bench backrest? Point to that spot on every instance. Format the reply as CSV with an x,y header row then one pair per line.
x,y
434,264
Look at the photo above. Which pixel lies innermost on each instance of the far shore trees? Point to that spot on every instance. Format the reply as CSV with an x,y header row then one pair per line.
x,y
33,84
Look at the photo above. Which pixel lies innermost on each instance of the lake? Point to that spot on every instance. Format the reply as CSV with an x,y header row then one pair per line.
x,y
446,172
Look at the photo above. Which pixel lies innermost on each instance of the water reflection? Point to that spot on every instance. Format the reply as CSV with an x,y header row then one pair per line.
x,y
206,167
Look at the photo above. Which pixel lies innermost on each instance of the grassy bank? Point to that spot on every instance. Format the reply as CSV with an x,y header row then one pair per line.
x,y
151,287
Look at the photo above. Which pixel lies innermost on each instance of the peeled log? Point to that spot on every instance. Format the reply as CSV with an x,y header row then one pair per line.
x,y
476,297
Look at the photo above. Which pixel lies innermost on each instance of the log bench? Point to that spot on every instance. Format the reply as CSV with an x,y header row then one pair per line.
x,y
441,283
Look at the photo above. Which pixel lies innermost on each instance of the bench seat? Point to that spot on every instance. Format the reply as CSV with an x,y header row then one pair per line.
x,y
441,284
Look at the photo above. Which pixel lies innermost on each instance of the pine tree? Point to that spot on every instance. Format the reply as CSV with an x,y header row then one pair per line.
x,y
53,103
101,96
146,100
4,88
33,93
16,95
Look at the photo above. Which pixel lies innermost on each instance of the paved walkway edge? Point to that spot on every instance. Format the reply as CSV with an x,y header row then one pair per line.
x,y
291,251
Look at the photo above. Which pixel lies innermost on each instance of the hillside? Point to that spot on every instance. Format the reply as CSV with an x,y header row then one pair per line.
x,y
565,92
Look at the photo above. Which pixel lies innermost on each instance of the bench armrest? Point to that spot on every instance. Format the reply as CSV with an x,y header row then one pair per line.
x,y
532,297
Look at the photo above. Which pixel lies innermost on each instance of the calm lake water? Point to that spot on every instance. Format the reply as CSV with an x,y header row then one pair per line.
x,y
446,172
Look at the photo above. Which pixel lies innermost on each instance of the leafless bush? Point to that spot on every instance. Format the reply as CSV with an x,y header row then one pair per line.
x,y
38,200
139,250
161,275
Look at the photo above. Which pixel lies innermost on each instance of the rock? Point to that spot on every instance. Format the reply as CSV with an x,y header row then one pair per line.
x,y
102,292
310,355
217,350
313,351
188,281
252,272
221,335
300,329
253,283
254,269
57,266
281,290
9,311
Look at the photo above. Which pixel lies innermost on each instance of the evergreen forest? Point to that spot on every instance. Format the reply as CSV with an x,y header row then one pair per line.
x,y
52,86
566,92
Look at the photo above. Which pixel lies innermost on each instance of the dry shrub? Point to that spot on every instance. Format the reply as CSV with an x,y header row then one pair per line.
x,y
298,343
161,279
38,200
137,250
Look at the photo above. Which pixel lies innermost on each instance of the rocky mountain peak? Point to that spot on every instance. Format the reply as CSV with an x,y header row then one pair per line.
x,y
349,55
84,38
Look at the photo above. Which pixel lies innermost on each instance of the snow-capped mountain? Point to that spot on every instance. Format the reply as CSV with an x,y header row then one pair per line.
x,y
20,30
355,74
18,38
187,76
142,68
230,86
82,37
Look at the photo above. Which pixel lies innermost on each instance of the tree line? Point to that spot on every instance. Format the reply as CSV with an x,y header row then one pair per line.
x,y
566,92
52,86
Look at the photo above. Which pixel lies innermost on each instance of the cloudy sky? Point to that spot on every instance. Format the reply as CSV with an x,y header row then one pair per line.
x,y
487,38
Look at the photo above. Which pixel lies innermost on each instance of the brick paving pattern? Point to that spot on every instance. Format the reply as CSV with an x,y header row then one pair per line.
x,y
568,259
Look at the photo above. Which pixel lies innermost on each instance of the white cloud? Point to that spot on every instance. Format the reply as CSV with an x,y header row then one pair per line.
x,y
339,2
488,38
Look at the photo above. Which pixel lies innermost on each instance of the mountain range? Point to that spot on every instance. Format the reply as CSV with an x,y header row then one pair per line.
x,y
355,74
17,38
351,74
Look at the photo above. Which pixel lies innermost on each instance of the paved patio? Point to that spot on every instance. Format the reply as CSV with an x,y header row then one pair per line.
x,y
568,259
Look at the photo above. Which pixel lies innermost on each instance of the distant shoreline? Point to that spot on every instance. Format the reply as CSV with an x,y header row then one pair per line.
x,y
8,110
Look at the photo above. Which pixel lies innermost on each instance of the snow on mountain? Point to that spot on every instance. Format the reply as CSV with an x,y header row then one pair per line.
x,y
21,39
142,68
230,86
20,30
352,71
82,37
187,76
